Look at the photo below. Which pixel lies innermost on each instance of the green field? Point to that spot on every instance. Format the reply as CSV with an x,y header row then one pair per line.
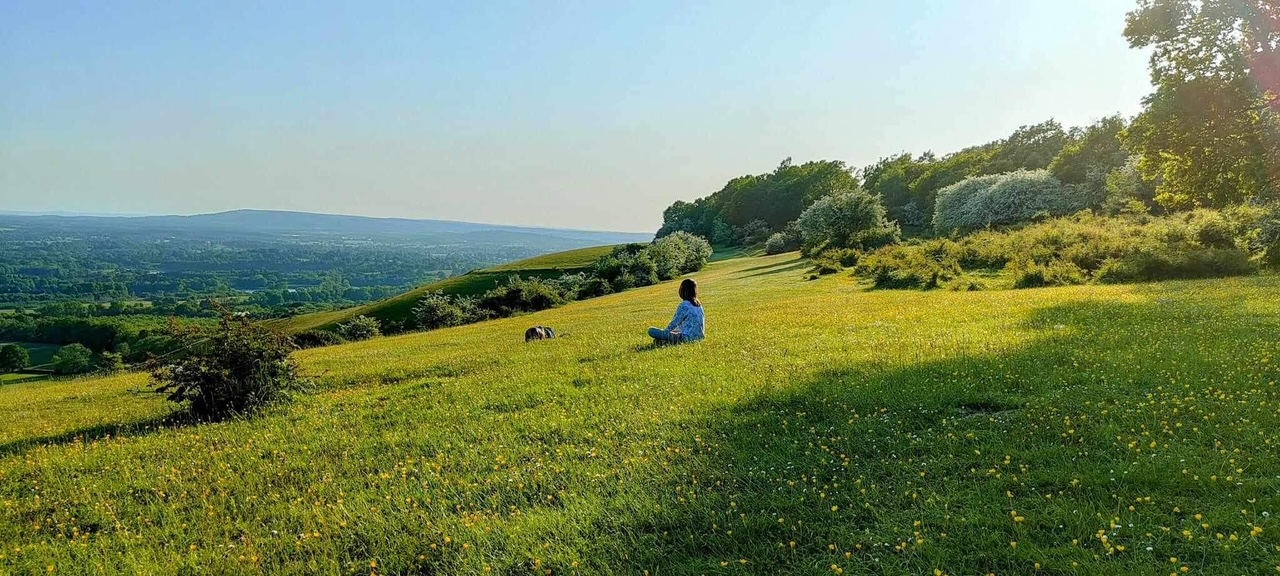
x,y
472,283
823,428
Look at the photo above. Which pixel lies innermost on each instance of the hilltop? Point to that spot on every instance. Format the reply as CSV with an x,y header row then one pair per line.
x,y
473,283
823,428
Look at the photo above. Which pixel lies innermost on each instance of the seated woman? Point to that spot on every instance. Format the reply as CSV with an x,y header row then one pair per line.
x,y
689,324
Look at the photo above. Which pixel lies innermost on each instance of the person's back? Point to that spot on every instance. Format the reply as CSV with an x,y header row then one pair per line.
x,y
691,321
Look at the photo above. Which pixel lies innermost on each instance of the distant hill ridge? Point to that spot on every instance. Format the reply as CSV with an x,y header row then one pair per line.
x,y
281,221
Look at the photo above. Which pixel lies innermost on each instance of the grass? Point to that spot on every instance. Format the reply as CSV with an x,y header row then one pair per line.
x,y
822,429
472,283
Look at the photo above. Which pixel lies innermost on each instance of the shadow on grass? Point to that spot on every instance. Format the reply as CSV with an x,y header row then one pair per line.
x,y
746,272
94,432
802,265
854,462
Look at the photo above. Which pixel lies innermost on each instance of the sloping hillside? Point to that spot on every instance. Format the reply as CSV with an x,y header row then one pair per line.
x,y
822,429
472,283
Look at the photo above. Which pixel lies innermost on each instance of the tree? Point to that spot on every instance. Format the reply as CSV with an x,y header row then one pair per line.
x,y
1028,148
849,219
13,358
73,359
1207,135
237,370
1091,155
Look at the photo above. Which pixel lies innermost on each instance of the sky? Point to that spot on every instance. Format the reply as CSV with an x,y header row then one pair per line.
x,y
592,115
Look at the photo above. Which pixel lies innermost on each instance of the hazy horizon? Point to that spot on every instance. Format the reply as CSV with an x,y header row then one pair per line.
x,y
585,117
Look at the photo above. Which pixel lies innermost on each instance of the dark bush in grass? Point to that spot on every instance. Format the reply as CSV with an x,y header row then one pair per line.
x,y
1028,274
360,328
440,310
236,370
521,295
834,260
924,266
1169,264
317,339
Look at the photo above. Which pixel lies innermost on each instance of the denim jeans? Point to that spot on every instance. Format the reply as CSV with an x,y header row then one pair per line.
x,y
665,336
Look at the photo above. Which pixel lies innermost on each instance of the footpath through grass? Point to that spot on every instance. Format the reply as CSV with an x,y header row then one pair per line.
x,y
821,429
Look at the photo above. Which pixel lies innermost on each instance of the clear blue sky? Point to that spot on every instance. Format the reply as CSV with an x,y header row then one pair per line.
x,y
582,114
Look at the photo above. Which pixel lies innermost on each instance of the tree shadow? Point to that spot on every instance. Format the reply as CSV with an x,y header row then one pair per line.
x,y
914,468
88,434
804,265
745,272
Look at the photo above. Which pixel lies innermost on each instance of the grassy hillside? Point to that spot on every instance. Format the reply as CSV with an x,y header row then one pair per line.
x,y
821,429
472,283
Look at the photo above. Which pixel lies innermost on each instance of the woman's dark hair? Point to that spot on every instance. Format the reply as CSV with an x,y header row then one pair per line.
x,y
689,291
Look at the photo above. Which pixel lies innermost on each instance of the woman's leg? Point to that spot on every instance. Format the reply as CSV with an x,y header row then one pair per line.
x,y
664,336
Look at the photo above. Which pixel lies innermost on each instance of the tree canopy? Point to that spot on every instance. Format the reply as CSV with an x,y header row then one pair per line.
x,y
1209,134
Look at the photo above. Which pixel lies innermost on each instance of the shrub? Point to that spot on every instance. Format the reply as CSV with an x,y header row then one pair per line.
x,y
13,358
755,232
317,339
111,363
834,260
438,310
1168,264
360,328
681,252
910,266
849,219
776,244
521,295
1005,199
1028,274
632,265
73,359
237,370
1086,248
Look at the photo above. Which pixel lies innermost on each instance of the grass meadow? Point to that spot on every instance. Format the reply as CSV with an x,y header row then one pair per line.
x,y
822,429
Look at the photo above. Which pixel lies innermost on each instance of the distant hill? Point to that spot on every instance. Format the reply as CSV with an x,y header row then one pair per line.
x,y
274,223
472,283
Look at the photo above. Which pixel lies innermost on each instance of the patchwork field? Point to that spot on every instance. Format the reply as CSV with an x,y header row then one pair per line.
x,y
822,429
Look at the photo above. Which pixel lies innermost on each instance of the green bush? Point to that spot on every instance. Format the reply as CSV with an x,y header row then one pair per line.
x,y
1086,248
924,266
521,295
73,359
238,369
1167,264
360,328
439,310
834,260
317,339
848,219
1028,274
677,254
